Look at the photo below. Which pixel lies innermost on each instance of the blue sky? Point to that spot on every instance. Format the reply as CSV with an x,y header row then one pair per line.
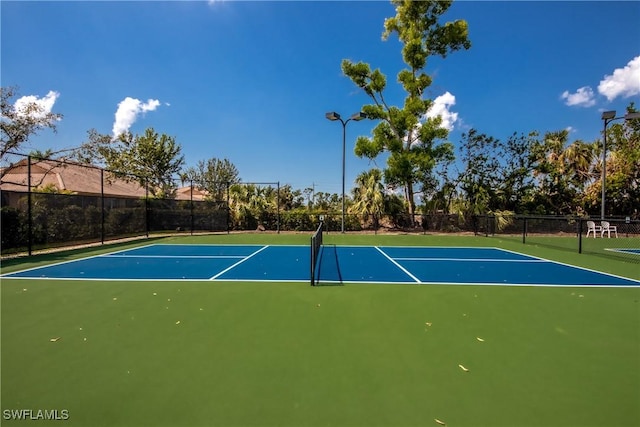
x,y
251,81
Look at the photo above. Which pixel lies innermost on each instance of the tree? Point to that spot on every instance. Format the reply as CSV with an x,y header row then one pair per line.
x,y
309,194
19,123
623,170
405,132
151,159
561,171
481,175
368,195
214,176
515,188
250,204
289,198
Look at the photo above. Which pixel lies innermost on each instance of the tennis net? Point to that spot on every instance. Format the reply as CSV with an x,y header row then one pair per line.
x,y
316,246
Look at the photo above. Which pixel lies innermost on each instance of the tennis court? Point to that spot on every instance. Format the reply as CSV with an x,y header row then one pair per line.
x,y
334,265
468,331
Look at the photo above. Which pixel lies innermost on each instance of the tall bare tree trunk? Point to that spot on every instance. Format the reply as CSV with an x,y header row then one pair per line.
x,y
412,203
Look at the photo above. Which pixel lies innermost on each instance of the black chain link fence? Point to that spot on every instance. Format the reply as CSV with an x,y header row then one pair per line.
x,y
34,221
620,240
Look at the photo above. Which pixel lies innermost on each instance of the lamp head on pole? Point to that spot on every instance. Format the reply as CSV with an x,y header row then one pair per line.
x,y
333,116
358,116
608,115
631,116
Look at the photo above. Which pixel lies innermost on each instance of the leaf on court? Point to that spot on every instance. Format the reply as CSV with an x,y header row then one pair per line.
x,y
428,323
463,368
54,339
442,423
479,339
178,322
114,298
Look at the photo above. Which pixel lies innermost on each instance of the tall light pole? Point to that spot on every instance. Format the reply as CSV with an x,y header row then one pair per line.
x,y
333,116
608,117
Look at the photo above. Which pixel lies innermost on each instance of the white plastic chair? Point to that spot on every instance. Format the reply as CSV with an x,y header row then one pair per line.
x,y
593,228
605,226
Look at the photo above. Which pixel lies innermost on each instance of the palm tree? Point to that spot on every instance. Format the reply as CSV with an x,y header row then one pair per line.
x,y
250,204
579,162
239,203
368,195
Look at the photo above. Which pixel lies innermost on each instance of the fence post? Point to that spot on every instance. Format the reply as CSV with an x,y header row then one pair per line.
x,y
579,235
524,231
29,213
228,208
102,206
146,205
278,206
191,206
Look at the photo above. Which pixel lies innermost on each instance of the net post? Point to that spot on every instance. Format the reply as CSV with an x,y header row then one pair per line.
x,y
316,244
313,267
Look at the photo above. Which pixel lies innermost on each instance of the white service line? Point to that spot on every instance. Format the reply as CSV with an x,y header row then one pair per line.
x,y
238,263
179,256
398,265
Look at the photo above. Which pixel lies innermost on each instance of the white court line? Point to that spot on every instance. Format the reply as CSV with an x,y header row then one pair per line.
x,y
574,266
398,265
469,259
629,251
68,261
347,282
238,263
176,256
129,249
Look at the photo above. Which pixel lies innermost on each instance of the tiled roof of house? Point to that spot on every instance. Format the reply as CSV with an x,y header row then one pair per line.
x,y
68,176
78,179
184,193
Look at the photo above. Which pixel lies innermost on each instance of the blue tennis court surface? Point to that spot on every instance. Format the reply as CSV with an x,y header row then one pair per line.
x,y
337,264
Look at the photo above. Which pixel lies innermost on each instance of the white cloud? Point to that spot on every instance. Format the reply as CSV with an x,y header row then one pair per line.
x,y
623,82
584,97
128,111
442,107
44,104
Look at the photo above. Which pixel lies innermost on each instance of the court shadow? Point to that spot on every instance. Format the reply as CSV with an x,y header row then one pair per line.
x,y
329,273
